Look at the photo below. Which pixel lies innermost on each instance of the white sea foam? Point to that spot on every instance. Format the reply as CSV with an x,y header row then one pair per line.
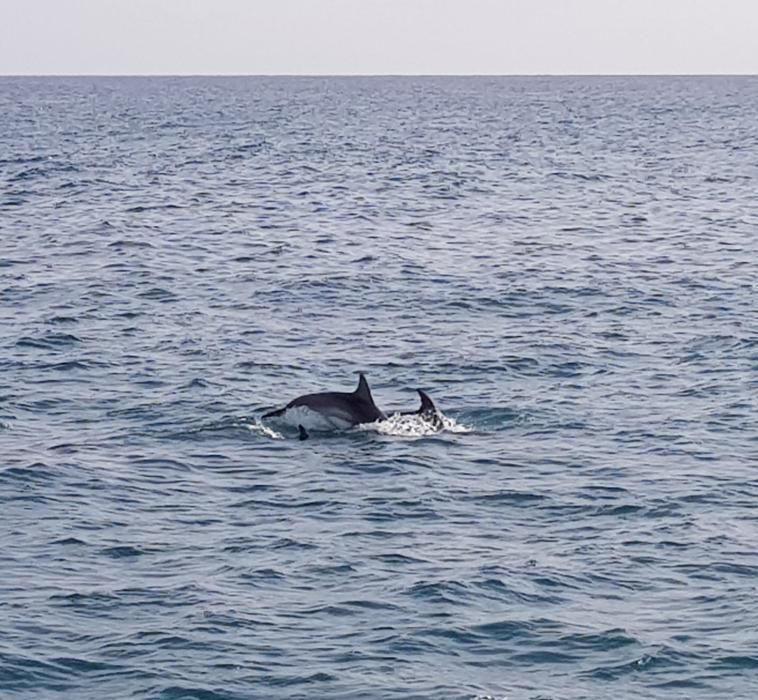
x,y
264,430
413,426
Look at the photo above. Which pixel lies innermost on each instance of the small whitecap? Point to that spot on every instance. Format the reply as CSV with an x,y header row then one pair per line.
x,y
260,429
453,426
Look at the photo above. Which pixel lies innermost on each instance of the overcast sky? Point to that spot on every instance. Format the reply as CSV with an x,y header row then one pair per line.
x,y
378,36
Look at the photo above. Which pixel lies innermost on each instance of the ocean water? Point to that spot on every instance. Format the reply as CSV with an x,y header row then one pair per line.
x,y
568,266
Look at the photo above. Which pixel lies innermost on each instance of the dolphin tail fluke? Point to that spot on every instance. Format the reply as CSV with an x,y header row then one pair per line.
x,y
302,433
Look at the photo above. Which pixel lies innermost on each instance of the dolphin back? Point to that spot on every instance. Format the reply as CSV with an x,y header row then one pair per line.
x,y
351,408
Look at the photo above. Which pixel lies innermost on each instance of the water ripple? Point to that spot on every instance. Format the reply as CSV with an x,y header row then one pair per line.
x,y
566,265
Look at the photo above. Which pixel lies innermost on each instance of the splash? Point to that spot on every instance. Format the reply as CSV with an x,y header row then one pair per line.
x,y
413,426
260,429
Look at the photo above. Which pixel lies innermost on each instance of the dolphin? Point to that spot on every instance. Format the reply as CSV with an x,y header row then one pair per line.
x,y
338,409
427,411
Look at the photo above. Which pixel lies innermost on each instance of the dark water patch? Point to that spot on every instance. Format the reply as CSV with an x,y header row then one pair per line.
x,y
292,503
508,498
49,341
540,657
713,569
620,510
333,570
12,200
397,558
29,174
502,632
19,673
158,294
178,692
62,320
9,262
140,208
502,590
69,366
685,684
123,244
80,666
289,543
663,660
122,551
399,510
69,541
735,663
94,599
605,641
161,466
36,472
440,592
350,609
267,576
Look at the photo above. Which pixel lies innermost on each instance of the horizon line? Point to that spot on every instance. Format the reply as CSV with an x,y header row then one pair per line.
x,y
379,75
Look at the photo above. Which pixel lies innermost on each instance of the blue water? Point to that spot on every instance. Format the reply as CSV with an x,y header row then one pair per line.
x,y
569,266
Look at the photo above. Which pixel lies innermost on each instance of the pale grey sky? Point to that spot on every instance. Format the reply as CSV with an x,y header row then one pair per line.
x,y
377,36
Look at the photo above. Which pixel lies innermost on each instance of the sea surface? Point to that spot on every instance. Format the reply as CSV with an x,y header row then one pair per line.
x,y
568,266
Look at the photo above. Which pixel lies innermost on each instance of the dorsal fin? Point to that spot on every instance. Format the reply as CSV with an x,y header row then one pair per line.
x,y
427,405
363,391
428,411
